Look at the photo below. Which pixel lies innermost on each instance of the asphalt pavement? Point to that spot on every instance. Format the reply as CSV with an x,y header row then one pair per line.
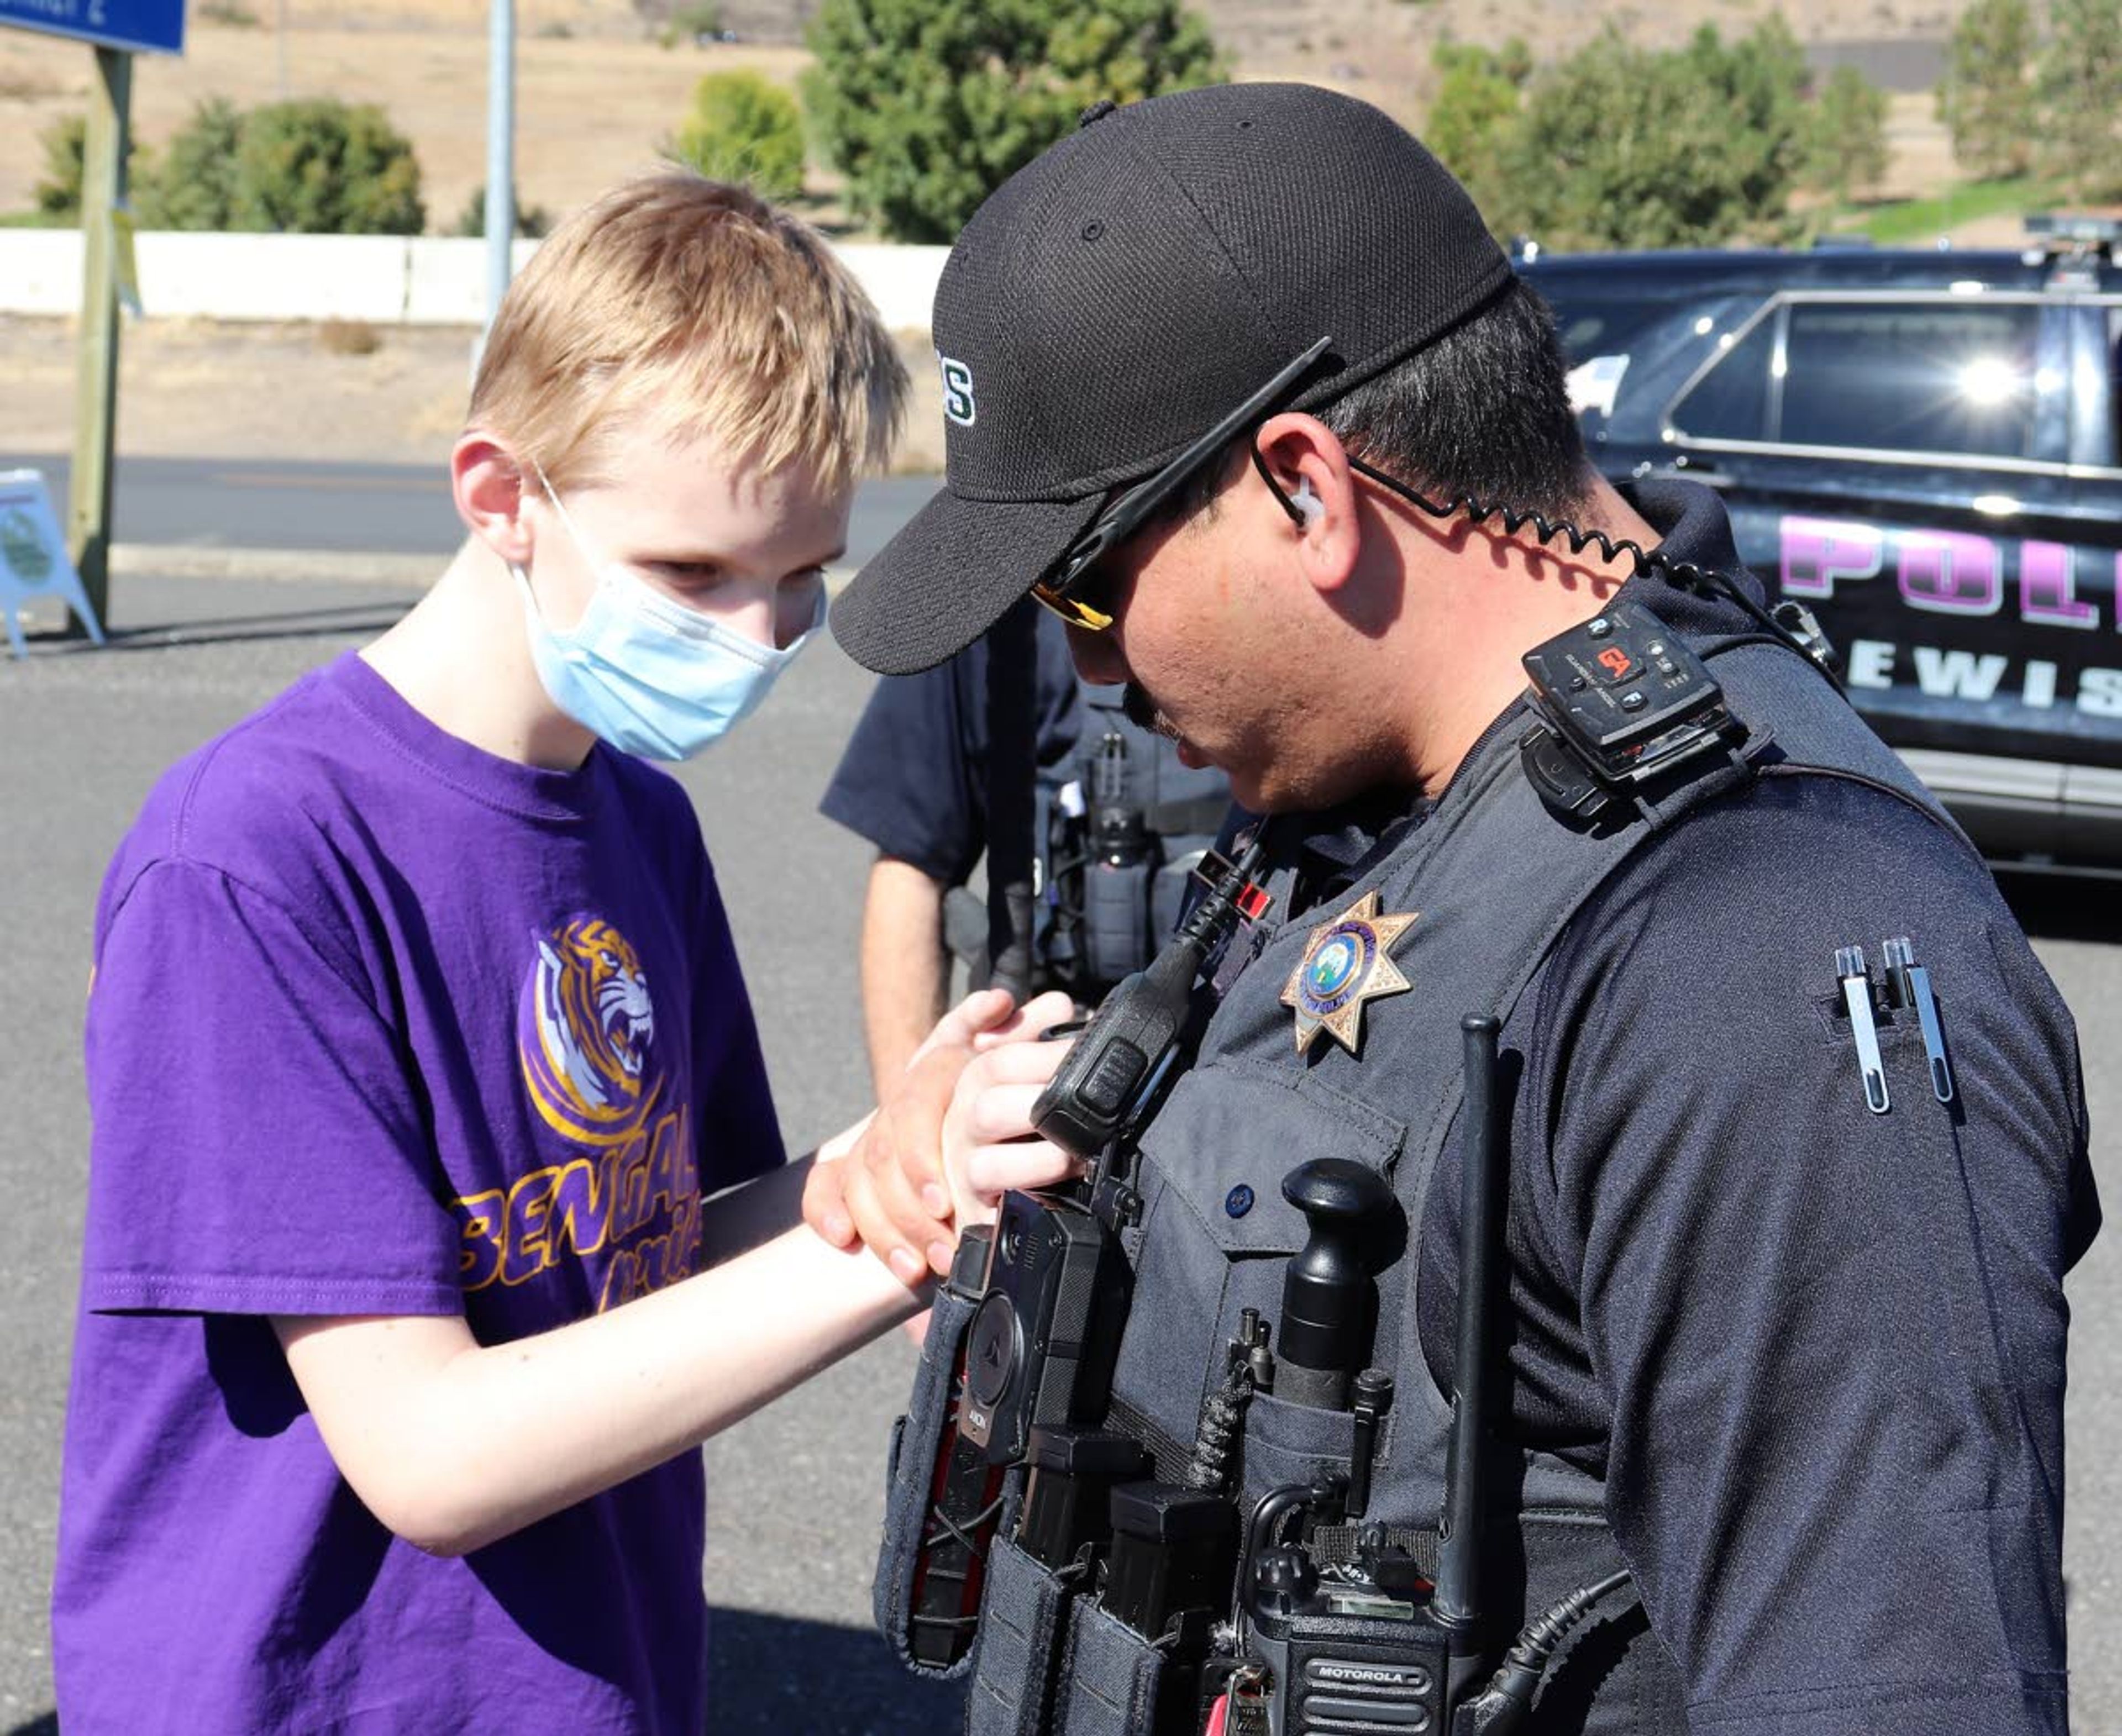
x,y
207,503
1897,63
796,1492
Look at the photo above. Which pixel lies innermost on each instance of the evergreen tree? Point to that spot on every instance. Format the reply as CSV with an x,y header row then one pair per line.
x,y
2078,88
1849,135
1985,99
1477,101
927,106
194,186
1692,147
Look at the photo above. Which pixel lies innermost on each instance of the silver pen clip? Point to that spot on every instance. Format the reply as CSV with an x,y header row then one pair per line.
x,y
1911,985
1857,998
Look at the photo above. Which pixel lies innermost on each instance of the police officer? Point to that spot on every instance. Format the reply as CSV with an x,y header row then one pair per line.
x,y
1786,1325
1118,824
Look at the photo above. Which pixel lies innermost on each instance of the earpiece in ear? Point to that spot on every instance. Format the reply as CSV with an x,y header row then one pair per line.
x,y
1310,508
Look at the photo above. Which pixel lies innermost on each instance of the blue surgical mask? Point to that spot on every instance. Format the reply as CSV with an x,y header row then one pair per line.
x,y
643,672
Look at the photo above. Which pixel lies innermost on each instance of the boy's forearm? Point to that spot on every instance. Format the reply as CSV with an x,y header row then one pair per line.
x,y
576,1411
455,1445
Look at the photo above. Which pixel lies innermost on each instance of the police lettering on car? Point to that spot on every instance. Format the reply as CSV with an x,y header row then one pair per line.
x,y
1771,1372
1907,444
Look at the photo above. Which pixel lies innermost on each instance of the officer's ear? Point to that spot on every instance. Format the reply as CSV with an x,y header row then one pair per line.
x,y
486,481
1308,497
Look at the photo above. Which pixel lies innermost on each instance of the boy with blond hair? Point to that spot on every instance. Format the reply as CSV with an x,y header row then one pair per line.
x,y
417,1045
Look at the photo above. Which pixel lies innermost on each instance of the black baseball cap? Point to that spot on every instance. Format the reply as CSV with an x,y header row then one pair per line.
x,y
1116,298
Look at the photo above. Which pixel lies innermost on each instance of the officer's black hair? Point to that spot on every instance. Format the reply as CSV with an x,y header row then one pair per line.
x,y
1482,412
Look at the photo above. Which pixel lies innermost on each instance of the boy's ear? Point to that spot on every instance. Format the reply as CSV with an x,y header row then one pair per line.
x,y
487,483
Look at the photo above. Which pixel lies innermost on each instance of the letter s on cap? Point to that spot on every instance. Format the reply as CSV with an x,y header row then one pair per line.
x,y
957,391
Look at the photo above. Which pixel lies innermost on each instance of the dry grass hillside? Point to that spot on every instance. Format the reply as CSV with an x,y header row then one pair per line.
x,y
595,91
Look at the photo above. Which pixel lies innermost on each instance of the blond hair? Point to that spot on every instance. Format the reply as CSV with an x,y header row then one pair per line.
x,y
704,308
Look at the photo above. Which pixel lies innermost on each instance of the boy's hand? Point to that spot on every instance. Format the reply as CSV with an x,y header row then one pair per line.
x,y
889,1193
886,1193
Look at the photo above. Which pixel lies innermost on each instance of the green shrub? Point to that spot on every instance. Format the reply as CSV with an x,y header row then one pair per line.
x,y
531,220
326,167
58,191
2028,89
1693,147
927,106
65,146
321,167
1476,97
314,168
744,128
194,185
2078,88
1986,99
1848,151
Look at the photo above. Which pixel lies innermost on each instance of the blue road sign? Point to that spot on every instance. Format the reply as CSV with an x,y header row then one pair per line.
x,y
151,26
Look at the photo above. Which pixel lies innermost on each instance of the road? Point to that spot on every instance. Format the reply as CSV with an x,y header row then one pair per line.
x,y
795,1491
1897,63
385,509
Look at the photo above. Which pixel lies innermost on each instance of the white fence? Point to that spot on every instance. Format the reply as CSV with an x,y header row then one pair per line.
x,y
386,280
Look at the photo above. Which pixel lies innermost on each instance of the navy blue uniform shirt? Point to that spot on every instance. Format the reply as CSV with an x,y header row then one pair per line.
x,y
913,778
1816,1353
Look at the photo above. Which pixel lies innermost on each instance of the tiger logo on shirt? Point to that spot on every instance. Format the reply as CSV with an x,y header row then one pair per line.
x,y
586,1028
624,1207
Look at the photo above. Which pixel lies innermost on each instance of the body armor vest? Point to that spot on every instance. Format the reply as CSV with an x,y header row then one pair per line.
x,y
1496,877
1119,824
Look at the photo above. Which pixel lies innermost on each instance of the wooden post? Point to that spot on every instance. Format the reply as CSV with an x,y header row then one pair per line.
x,y
96,376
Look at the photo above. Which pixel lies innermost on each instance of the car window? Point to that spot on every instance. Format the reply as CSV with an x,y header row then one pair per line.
x,y
2115,379
1730,402
1591,327
1921,377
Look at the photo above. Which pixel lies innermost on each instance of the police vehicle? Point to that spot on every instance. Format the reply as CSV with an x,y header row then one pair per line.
x,y
1925,448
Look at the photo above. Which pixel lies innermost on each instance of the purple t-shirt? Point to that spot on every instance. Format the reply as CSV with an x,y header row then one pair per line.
x,y
382,1025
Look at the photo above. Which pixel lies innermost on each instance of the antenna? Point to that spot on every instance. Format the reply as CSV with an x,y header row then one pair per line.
x,y
1481,1223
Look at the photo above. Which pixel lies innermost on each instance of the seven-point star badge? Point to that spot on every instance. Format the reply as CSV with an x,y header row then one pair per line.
x,y
1345,964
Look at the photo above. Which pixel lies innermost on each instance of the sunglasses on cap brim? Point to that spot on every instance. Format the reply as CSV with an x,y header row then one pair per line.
x,y
1061,591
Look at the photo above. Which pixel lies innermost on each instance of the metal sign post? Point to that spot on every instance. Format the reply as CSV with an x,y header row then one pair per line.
x,y
500,152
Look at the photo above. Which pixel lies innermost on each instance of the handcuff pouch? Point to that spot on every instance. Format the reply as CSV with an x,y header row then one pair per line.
x,y
1024,1619
1112,1675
